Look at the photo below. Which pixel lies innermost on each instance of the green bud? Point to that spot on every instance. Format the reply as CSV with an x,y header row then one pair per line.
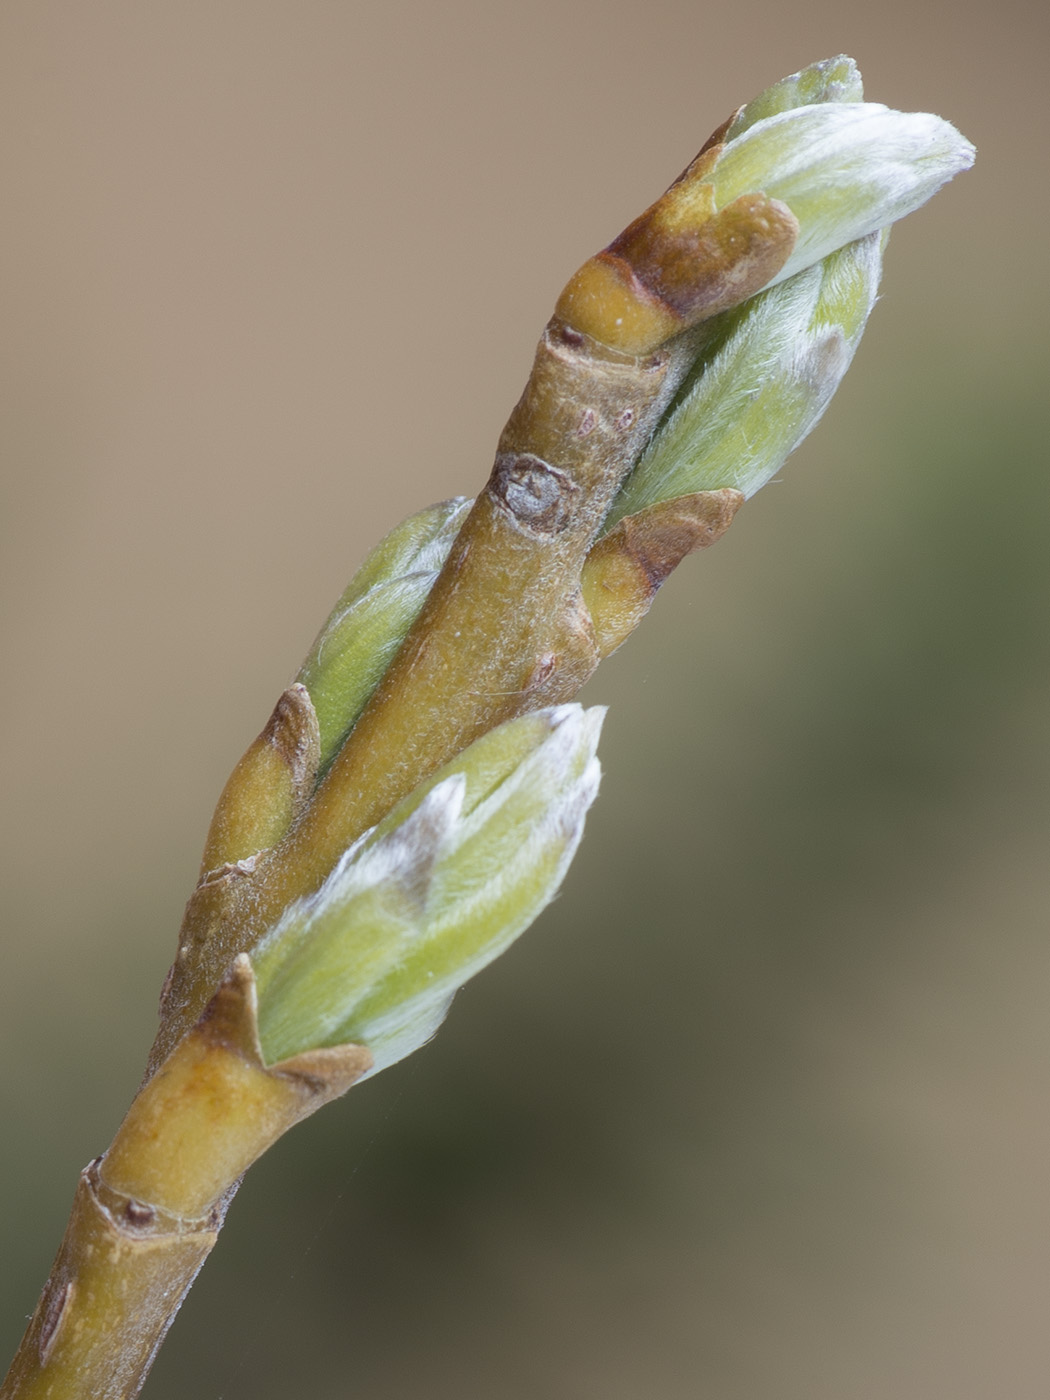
x,y
767,369
371,619
430,896
761,385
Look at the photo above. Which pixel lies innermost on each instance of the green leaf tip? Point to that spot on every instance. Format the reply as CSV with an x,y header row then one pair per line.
x,y
434,893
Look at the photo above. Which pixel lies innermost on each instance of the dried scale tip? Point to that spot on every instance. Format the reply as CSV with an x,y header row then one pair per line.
x,y
682,261
626,568
428,898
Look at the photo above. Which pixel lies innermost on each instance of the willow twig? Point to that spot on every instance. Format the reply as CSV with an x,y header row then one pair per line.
x,y
418,793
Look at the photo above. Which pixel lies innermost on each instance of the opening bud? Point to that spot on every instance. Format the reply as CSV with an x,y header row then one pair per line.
x,y
430,896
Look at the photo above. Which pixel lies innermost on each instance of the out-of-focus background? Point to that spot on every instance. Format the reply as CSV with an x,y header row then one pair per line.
x,y
760,1106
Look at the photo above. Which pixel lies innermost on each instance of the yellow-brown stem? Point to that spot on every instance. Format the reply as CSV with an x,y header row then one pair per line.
x,y
118,1280
520,615
147,1214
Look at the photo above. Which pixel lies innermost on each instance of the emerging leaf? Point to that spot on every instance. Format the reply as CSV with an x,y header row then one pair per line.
x,y
767,375
434,893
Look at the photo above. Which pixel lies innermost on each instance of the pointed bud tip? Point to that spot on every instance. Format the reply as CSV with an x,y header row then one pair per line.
x,y
829,80
587,720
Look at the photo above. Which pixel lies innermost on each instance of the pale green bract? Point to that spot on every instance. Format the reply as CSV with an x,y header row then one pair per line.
x,y
434,893
767,375
370,620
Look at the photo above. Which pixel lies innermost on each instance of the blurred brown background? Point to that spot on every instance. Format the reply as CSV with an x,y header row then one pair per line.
x,y
760,1107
